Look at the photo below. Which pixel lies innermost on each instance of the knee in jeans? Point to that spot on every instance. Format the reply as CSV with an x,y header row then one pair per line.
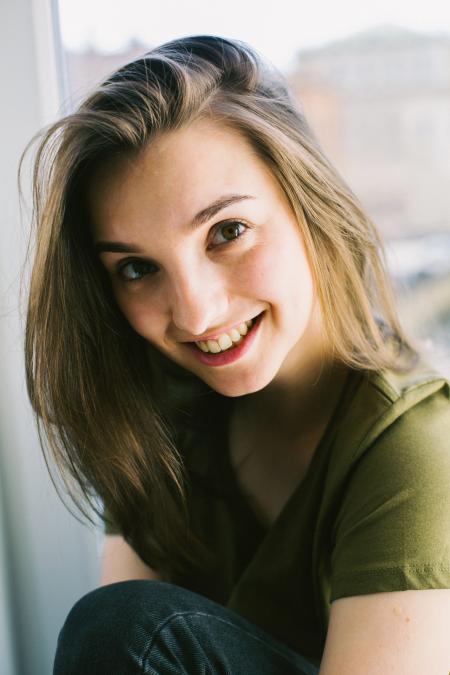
x,y
122,607
109,623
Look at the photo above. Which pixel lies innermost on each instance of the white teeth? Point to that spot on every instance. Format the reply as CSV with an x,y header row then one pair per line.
x,y
242,328
235,335
213,346
225,341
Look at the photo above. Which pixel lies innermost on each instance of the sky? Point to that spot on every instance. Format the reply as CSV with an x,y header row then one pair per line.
x,y
277,28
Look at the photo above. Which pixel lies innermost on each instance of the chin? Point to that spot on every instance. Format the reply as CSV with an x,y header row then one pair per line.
x,y
238,386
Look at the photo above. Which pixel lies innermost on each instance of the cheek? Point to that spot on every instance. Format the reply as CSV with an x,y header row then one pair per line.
x,y
256,275
140,314
278,272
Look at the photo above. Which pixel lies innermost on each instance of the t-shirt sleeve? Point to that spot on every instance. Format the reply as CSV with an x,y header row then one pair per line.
x,y
393,527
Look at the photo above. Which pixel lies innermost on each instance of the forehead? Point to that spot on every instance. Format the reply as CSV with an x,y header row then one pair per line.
x,y
175,176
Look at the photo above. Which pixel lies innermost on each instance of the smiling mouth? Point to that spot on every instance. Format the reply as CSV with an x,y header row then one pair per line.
x,y
229,340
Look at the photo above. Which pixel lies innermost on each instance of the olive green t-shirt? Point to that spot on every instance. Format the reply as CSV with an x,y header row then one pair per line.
x,y
372,513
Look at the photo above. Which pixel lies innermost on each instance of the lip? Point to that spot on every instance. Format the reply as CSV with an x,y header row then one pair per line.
x,y
229,355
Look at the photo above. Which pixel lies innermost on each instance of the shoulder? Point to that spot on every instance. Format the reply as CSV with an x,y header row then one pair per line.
x,y
392,525
404,390
417,412
413,405
385,410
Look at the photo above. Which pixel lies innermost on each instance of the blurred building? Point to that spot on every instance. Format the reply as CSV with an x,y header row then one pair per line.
x,y
379,103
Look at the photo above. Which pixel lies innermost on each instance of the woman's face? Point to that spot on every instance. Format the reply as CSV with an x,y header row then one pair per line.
x,y
198,238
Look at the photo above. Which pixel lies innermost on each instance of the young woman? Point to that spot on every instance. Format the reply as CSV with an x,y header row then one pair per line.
x,y
213,352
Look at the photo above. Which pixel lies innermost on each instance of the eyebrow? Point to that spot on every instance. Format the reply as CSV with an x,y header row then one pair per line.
x,y
201,218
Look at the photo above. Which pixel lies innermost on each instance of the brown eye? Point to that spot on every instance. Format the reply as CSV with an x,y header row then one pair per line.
x,y
135,270
229,231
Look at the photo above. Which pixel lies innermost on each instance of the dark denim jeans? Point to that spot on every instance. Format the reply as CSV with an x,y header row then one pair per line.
x,y
153,627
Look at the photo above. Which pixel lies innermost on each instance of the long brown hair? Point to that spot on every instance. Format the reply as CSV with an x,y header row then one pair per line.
x,y
101,395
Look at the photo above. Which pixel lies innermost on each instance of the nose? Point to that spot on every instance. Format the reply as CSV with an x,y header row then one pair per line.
x,y
198,300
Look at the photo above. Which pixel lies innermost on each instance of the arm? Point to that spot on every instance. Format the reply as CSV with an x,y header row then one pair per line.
x,y
398,633
390,609
121,563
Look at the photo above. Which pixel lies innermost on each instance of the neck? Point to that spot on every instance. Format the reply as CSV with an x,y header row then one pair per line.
x,y
305,390
290,407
